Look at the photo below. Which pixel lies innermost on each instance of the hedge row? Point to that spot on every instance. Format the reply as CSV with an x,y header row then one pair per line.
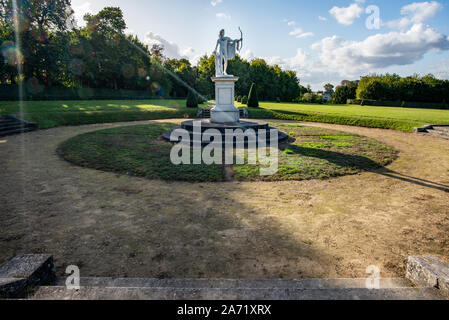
x,y
11,93
404,104
402,125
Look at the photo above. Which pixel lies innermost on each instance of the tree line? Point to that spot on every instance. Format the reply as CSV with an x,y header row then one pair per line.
x,y
54,52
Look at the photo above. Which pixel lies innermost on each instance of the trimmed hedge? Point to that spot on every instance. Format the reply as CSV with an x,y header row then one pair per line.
x,y
253,99
192,101
403,104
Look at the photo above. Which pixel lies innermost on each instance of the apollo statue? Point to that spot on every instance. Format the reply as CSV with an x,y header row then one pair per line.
x,y
227,49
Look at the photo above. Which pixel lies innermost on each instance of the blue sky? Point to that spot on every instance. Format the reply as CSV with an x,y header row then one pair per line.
x,y
323,41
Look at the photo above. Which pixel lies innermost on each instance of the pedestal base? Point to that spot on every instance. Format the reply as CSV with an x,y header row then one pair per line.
x,y
225,111
218,116
203,134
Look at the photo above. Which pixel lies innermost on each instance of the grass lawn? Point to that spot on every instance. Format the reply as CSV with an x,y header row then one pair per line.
x,y
404,119
315,153
50,114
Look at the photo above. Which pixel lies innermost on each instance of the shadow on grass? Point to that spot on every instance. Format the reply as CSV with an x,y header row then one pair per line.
x,y
365,164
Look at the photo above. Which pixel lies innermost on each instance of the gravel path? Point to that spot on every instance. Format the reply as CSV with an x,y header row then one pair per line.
x,y
112,225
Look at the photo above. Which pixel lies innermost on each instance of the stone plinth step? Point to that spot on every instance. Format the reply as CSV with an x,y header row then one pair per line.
x,y
246,132
236,289
147,293
206,113
384,283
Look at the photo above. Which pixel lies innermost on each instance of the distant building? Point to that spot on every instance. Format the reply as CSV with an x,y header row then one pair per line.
x,y
328,95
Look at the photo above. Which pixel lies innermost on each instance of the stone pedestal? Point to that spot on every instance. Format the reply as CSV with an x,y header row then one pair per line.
x,y
225,110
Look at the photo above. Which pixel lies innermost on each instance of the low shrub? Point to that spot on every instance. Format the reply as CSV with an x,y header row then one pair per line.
x,y
253,100
192,100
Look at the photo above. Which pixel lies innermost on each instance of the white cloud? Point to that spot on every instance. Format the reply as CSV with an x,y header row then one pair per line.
x,y
80,11
440,69
298,33
215,2
171,49
305,35
322,18
346,15
379,51
414,13
247,55
340,59
308,70
222,15
421,11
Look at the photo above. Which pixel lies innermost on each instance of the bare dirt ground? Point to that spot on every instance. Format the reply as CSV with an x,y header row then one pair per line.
x,y
116,225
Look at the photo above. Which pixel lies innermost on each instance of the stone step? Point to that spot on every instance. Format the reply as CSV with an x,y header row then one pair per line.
x,y
11,125
15,131
168,293
8,121
23,272
384,283
440,134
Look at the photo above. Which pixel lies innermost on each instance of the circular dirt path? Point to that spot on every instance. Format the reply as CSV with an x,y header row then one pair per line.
x,y
117,225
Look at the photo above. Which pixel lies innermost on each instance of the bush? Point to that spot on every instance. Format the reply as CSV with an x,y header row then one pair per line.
x,y
244,100
278,100
310,98
354,101
344,93
253,100
192,101
238,98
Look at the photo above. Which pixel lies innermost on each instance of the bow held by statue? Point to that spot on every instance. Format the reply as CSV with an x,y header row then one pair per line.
x,y
240,42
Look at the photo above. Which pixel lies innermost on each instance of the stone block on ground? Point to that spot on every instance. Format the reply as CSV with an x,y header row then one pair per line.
x,y
429,271
26,271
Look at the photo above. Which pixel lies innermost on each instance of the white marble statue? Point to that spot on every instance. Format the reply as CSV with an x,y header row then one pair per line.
x,y
227,49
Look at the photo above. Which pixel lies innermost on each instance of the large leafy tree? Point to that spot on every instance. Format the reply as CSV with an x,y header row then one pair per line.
x,y
40,24
101,55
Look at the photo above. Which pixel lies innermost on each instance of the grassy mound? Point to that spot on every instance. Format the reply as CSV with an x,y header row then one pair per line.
x,y
314,153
